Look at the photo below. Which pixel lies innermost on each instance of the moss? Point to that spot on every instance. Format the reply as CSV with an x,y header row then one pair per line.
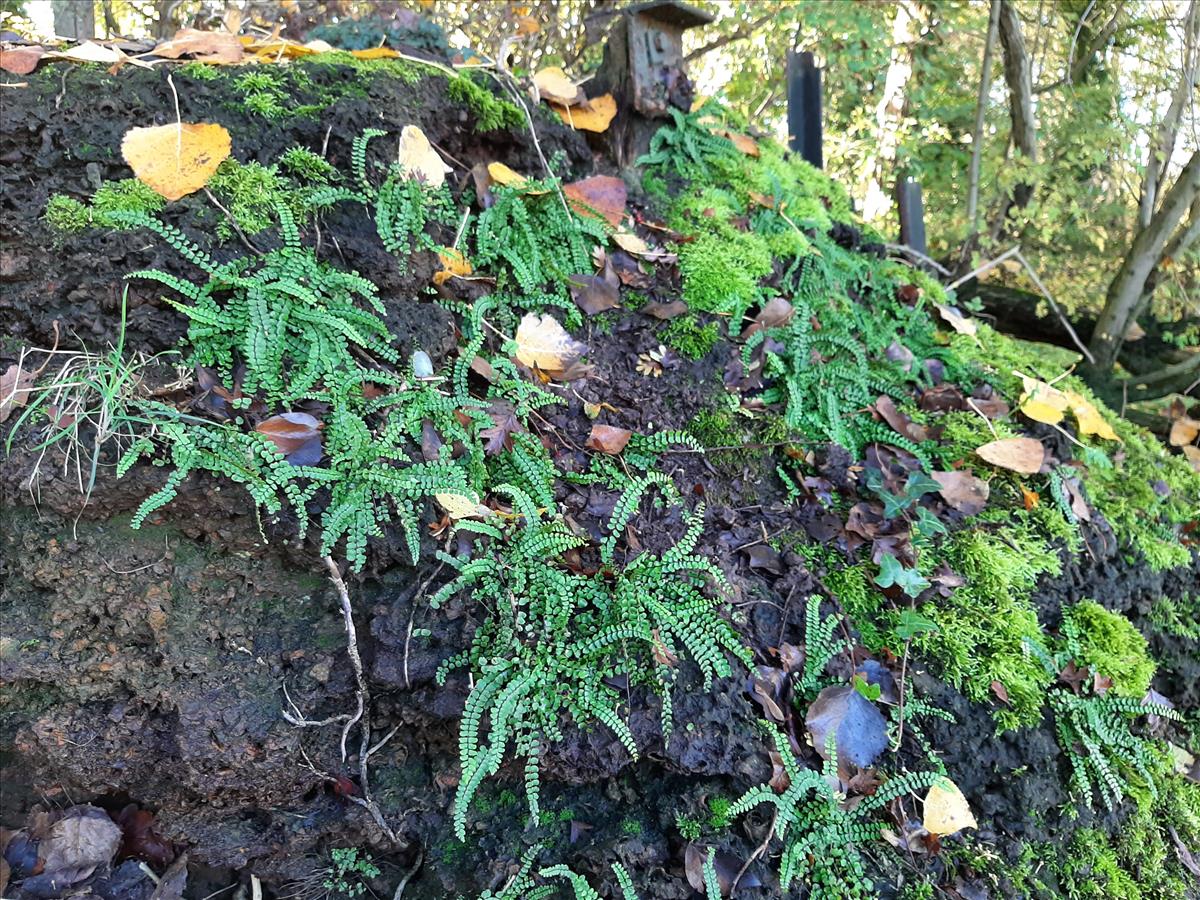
x,y
1109,643
303,164
252,192
721,272
491,112
199,71
1091,870
1147,843
406,71
988,627
688,337
718,809
68,216
1180,618
861,602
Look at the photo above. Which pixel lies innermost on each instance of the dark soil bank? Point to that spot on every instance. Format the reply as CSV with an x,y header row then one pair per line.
x,y
153,667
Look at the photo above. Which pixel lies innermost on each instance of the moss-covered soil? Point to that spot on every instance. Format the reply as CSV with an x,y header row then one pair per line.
x,y
152,666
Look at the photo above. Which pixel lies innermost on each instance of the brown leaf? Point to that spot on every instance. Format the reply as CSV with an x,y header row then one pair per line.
x,y
608,439
943,398
900,423
543,343
1192,452
765,557
1000,691
173,881
83,839
661,653
15,386
662,310
1073,676
726,865
1184,431
600,195
205,46
1030,498
504,425
1018,454
140,840
296,435
20,60
994,408
176,160
777,312
593,294
963,491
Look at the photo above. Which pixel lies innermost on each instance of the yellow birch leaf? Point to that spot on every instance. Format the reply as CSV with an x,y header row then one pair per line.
x,y
175,160
1042,402
544,344
502,174
1089,419
554,85
419,160
595,115
946,809
959,322
1018,454
453,263
459,507
375,53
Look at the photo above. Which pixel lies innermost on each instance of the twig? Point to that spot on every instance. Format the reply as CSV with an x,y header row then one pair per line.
x,y
1054,306
166,552
416,867
232,221
986,267
905,250
759,851
295,717
364,693
900,705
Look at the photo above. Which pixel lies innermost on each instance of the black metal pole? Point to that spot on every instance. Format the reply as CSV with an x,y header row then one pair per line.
x,y
912,214
804,107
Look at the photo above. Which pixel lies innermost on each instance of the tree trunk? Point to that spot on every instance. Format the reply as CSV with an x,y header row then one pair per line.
x,y
1126,289
1019,77
74,18
985,86
888,115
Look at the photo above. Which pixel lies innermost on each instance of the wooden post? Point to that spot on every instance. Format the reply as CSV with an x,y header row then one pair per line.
x,y
912,214
804,107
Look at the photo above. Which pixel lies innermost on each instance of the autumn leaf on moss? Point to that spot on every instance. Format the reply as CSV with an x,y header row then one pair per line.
x,y
419,160
203,46
1089,419
176,160
1018,454
1042,402
600,195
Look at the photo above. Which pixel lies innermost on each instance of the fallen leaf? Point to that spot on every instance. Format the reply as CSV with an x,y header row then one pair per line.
x,y
960,323
89,52
176,160
79,842
15,386
1042,402
743,142
140,840
296,435
504,425
630,243
553,84
662,310
726,866
963,491
1089,419
764,557
1134,332
1192,452
594,116
375,53
858,728
776,313
1183,431
458,506
661,652
544,344
593,294
527,25
419,160
608,439
1018,454
600,195
205,46
502,174
20,60
899,421
1030,498
946,809
653,363
453,264
1000,691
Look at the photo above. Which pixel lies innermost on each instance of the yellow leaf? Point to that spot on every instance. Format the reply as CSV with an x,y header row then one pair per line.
x,y
1192,452
544,344
743,142
554,85
527,25
319,46
957,320
176,160
946,809
1089,419
1184,431
375,53
459,507
630,243
1042,402
502,174
453,263
419,160
595,115
1018,454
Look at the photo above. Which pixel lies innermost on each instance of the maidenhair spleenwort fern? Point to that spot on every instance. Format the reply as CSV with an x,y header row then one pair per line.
x,y
818,832
529,885
556,637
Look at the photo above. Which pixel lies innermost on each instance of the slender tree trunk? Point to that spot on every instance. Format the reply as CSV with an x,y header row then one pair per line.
x,y
1126,289
74,18
888,114
985,86
1018,75
1164,143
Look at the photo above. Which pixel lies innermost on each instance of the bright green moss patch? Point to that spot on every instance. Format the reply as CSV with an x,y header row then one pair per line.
x,y
988,628
686,336
490,112
67,215
1109,643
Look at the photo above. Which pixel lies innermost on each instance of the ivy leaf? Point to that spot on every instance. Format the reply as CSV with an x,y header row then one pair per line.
x,y
912,623
892,573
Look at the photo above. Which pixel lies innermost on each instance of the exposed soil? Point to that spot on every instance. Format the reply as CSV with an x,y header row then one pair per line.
x,y
150,666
